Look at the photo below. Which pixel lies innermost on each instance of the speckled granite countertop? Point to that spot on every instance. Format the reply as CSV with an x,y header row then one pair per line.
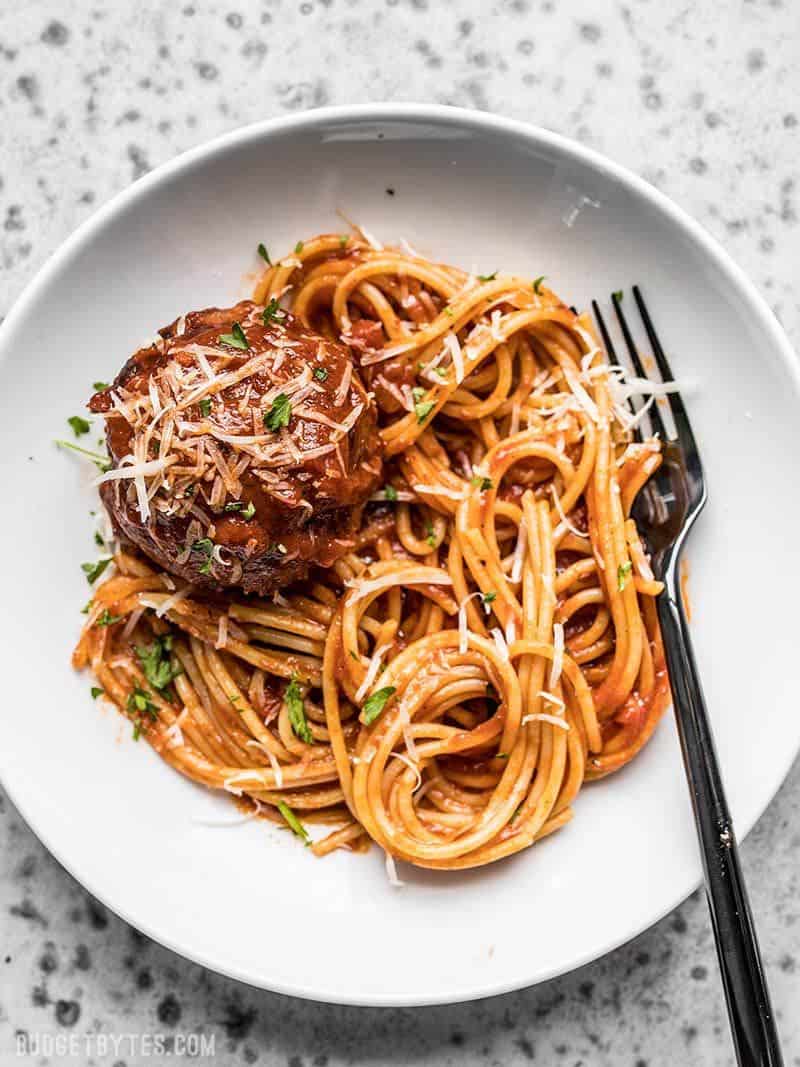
x,y
700,98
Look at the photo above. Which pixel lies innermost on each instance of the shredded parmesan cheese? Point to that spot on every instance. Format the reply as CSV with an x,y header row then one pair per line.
x,y
558,654
554,720
500,642
364,587
391,871
451,343
372,672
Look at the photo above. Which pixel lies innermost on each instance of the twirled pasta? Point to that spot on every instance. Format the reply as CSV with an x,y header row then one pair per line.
x,y
490,642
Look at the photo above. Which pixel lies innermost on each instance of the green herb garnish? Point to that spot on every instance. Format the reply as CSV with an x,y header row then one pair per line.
x,y
205,406
293,822
262,251
99,386
98,540
481,483
140,700
374,705
418,392
107,619
235,505
159,668
273,310
423,408
390,493
487,277
249,511
94,570
234,339
343,240
488,598
79,425
96,691
205,546
623,572
295,705
431,536
618,296
321,374
279,413
298,248
537,285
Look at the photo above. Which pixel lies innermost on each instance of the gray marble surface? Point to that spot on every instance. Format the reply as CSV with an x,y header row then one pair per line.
x,y
700,98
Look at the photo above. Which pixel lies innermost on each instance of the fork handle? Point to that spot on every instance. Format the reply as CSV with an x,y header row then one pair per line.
x,y
752,1023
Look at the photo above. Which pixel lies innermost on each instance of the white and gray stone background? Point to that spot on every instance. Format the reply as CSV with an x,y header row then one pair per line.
x,y
702,98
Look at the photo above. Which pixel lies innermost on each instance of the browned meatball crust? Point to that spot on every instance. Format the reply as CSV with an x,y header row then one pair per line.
x,y
244,447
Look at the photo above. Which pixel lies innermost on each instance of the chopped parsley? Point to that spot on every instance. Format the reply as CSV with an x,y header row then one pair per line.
x,y
94,570
489,598
441,371
247,510
418,392
343,240
107,619
487,277
321,374
618,296
102,462
262,251
481,483
537,285
206,547
96,691
423,408
273,310
390,493
293,822
205,406
158,666
87,607
623,572
298,248
449,311
374,705
98,540
99,386
279,413
295,705
431,536
234,339
139,703
79,425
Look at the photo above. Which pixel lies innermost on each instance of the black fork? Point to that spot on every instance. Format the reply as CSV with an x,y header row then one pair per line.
x,y
665,511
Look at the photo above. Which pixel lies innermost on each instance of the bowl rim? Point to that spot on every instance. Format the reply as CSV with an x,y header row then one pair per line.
x,y
443,116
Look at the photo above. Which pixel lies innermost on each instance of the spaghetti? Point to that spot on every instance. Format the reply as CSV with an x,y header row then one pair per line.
x,y
488,644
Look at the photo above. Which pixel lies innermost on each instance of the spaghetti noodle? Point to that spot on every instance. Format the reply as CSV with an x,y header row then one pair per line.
x,y
490,641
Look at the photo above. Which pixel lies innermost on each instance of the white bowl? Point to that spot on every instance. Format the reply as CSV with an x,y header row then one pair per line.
x,y
247,900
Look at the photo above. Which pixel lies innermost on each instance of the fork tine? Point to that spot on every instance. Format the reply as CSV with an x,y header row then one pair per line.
x,y
655,415
614,359
607,342
682,425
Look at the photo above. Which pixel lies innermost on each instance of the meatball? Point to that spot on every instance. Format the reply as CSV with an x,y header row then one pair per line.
x,y
243,449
